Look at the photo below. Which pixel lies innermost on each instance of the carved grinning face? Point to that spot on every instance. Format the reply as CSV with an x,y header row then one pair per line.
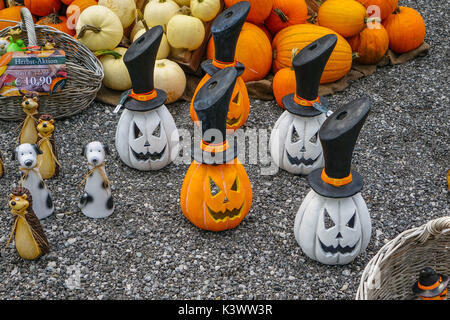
x,y
239,106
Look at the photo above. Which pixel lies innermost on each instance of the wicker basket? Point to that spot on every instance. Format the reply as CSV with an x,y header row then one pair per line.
x,y
395,268
84,73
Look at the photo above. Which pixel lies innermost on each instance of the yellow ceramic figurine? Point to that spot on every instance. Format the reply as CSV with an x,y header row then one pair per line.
x,y
29,236
47,161
28,133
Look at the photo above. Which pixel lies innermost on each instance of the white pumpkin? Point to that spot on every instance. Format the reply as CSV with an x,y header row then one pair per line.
x,y
205,10
99,28
164,48
116,73
168,76
295,145
185,32
333,231
124,9
147,140
136,28
159,12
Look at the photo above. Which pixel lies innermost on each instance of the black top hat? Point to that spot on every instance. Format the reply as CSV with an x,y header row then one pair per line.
x,y
338,136
140,61
225,31
211,105
309,64
430,278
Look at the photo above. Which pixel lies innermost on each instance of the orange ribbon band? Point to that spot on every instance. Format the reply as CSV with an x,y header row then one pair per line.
x,y
222,65
304,102
433,286
210,147
143,96
336,182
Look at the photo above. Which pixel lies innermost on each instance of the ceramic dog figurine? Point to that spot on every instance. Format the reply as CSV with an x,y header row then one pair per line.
x,y
29,237
31,179
28,133
97,200
48,163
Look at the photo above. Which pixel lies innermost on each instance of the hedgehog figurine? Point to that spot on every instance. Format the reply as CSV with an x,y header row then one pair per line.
x,y
48,163
28,132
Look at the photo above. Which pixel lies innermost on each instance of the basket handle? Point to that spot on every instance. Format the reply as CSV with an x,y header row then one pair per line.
x,y
433,228
28,26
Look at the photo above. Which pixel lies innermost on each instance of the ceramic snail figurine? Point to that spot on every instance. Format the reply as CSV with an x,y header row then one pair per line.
x,y
431,285
333,224
146,137
294,142
28,132
31,179
216,194
48,163
225,31
97,200
29,237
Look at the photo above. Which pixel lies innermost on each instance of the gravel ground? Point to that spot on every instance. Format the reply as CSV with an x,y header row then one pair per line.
x,y
148,250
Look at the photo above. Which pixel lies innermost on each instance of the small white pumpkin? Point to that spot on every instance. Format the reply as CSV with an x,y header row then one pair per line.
x,y
136,28
159,12
185,32
99,28
164,48
124,9
116,73
168,76
205,10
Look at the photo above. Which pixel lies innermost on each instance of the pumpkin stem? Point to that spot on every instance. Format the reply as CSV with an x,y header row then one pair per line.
x,y
140,17
372,20
355,55
88,27
293,54
113,53
281,14
52,18
397,10
160,64
185,10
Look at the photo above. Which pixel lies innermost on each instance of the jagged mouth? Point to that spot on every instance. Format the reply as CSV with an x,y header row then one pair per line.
x,y
148,156
227,214
338,249
298,161
233,121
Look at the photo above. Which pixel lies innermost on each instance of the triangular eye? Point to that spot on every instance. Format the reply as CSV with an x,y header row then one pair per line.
x,y
137,132
237,98
294,137
234,187
328,222
351,222
157,131
214,189
314,138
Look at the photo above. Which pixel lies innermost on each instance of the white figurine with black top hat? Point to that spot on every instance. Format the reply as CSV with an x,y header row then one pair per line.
x,y
431,285
146,137
333,225
294,143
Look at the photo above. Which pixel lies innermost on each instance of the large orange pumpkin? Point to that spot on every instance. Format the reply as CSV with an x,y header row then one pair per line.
x,y
259,9
42,7
346,17
57,22
67,2
283,84
299,36
2,5
11,13
253,50
216,197
386,7
406,29
370,45
76,8
286,13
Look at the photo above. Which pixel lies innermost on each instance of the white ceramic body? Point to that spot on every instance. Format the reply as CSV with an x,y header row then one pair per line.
x,y
42,199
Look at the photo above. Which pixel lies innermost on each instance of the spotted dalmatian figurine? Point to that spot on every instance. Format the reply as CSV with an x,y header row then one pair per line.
x,y
31,179
97,200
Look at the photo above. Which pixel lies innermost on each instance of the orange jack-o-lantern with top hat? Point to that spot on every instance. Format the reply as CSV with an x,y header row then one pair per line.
x,y
431,285
225,31
216,193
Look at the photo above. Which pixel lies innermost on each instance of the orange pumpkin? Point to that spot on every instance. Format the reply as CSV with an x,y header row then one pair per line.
x,y
76,8
11,13
57,22
283,84
346,17
286,13
266,31
406,30
2,5
299,36
253,51
42,7
216,197
370,45
259,9
386,7
67,2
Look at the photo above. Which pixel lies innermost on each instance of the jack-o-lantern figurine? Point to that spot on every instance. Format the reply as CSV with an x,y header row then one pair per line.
x,y
216,193
333,224
294,143
146,137
431,285
225,31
